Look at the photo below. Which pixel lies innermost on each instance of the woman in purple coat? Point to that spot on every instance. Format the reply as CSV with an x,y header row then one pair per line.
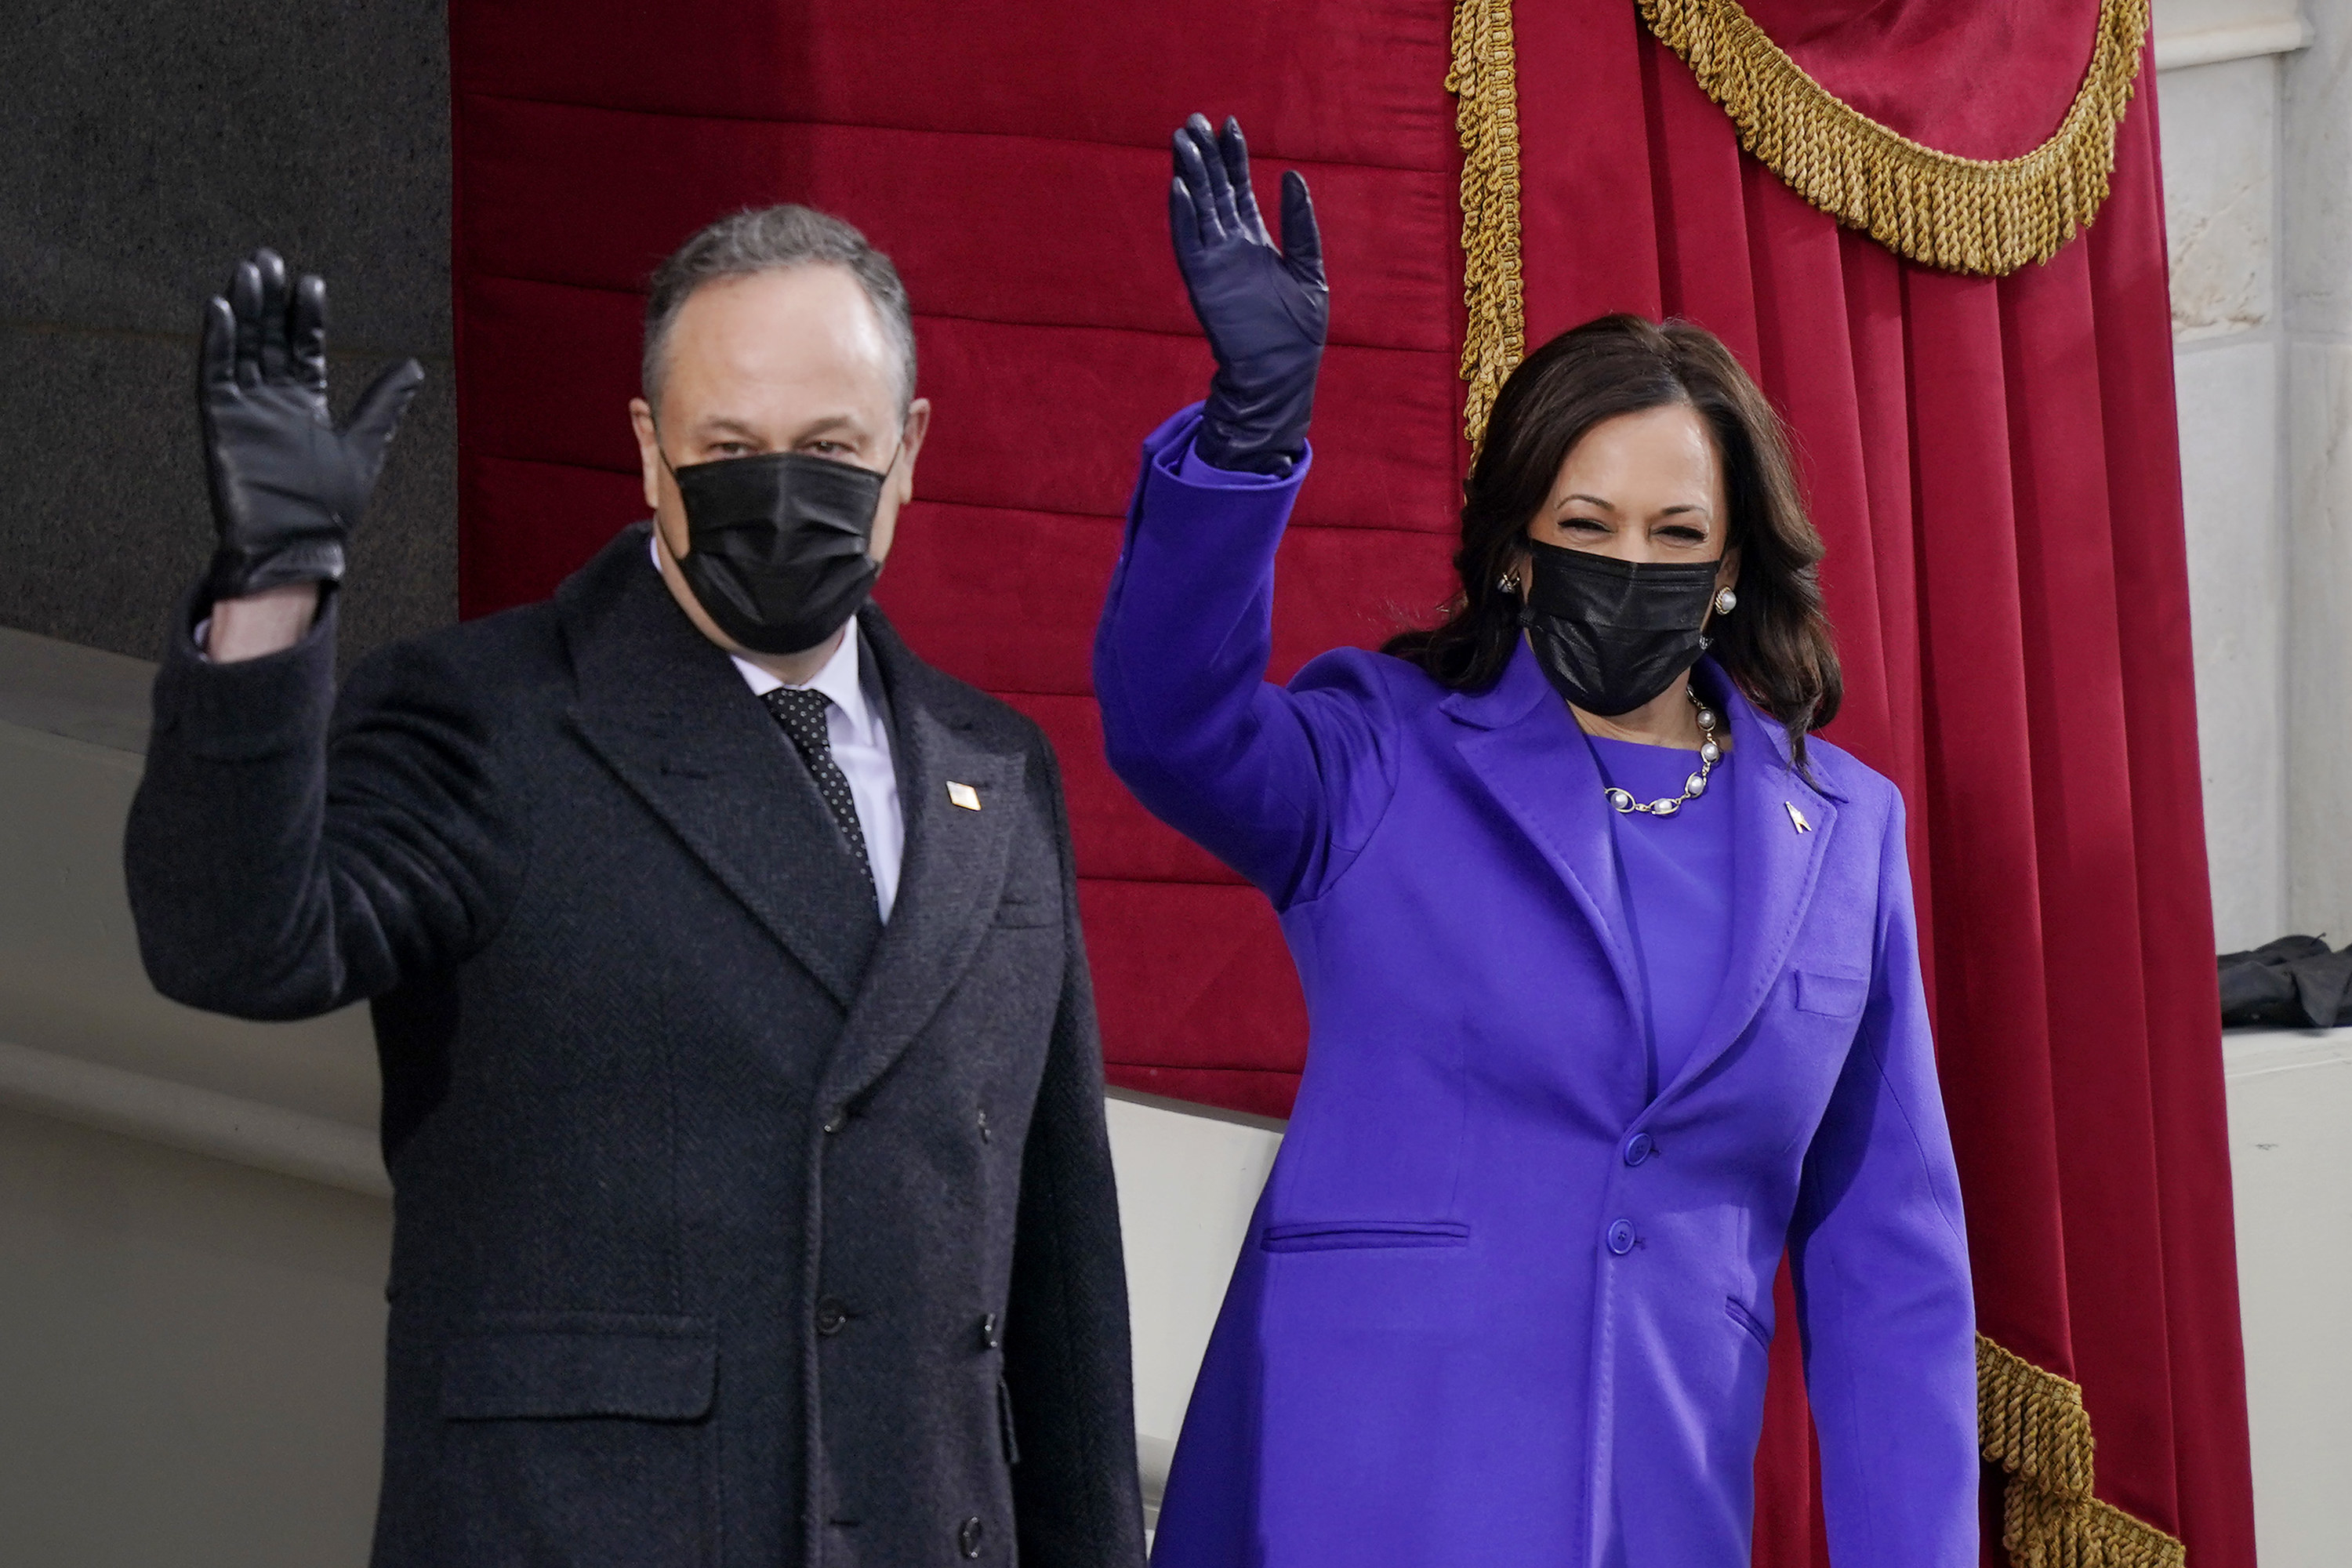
x,y
1611,974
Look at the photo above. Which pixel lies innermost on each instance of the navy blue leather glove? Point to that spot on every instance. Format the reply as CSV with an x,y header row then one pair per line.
x,y
1265,310
287,482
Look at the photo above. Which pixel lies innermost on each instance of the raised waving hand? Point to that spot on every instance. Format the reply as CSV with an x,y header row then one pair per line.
x,y
1266,310
287,482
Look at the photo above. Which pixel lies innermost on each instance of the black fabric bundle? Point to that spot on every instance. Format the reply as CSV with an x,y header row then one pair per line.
x,y
2294,981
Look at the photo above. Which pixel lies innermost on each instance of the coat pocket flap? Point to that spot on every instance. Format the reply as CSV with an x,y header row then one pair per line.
x,y
1018,911
1834,996
1343,1235
511,1373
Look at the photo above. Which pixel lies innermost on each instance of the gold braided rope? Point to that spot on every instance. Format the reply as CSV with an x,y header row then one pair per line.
x,y
2033,1424
1960,215
1485,79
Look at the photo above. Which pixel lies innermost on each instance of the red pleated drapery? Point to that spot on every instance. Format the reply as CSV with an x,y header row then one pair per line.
x,y
1994,464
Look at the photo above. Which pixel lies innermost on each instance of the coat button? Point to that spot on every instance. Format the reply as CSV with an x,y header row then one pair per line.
x,y
1639,1147
830,1317
1622,1238
991,1332
968,1537
834,1122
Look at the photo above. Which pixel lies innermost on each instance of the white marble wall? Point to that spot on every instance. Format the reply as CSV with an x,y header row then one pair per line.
x,y
2257,128
2220,134
2316,306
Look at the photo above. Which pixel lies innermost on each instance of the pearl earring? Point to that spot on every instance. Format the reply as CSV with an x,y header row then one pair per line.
x,y
1726,602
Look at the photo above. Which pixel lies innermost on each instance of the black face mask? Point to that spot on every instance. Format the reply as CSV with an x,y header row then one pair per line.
x,y
779,541
1611,635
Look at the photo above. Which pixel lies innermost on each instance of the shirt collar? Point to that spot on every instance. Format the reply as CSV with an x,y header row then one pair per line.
x,y
838,678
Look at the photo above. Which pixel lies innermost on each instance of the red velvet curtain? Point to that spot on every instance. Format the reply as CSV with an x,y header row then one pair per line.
x,y
1994,464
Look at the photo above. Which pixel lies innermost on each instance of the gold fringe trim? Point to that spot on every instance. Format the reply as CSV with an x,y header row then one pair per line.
x,y
2033,1424
1960,214
1485,79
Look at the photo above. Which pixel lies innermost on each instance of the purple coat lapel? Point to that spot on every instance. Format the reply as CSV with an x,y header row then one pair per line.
x,y
1521,740
1774,867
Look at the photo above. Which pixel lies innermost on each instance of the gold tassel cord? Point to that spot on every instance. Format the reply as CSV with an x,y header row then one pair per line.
x,y
1485,79
1956,214
2033,1424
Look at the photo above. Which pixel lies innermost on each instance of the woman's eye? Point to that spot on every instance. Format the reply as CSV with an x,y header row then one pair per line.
x,y
1684,535
1583,525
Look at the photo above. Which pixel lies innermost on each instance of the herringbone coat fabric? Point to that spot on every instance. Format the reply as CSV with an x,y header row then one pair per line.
x,y
731,1226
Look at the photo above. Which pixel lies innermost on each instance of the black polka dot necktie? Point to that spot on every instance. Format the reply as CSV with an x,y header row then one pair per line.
x,y
802,714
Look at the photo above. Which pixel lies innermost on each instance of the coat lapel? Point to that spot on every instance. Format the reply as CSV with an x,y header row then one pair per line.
x,y
1775,863
1523,745
953,872
667,711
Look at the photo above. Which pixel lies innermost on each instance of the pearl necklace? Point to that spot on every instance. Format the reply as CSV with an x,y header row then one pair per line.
x,y
1709,753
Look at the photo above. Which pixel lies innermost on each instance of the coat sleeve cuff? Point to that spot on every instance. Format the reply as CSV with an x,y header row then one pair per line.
x,y
1170,451
253,708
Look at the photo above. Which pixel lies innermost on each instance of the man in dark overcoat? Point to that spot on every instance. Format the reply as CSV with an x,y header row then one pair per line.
x,y
742,1100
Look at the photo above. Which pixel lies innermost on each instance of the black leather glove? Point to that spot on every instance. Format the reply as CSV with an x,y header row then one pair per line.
x,y
1265,310
287,482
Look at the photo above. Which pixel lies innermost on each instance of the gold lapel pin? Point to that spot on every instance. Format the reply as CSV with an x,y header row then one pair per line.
x,y
964,794
1795,816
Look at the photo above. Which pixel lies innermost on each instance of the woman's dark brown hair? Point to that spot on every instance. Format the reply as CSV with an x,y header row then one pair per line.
x,y
1777,644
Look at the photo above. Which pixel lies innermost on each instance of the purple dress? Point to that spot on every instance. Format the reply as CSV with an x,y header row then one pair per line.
x,y
1508,1297
1676,872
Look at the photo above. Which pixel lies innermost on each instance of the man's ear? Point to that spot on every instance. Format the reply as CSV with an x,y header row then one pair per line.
x,y
918,425
641,419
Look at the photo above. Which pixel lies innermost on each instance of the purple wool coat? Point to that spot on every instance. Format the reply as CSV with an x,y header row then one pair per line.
x,y
1495,1308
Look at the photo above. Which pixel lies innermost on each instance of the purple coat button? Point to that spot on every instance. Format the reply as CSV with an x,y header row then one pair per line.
x,y
1620,1238
1639,1148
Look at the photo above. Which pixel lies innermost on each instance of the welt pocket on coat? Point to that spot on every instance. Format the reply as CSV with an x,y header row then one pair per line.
x,y
1747,1321
1832,995
654,1370
1005,1423
1020,911
1356,1235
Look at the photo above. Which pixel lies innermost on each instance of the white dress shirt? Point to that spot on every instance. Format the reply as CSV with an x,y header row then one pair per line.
x,y
861,748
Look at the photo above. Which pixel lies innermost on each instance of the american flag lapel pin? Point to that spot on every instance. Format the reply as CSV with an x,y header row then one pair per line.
x,y
964,794
1796,818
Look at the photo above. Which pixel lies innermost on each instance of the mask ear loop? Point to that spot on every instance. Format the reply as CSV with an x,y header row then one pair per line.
x,y
661,448
661,451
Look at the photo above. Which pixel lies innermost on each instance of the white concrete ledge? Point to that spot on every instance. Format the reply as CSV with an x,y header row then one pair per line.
x,y
1189,1176
2213,44
199,1120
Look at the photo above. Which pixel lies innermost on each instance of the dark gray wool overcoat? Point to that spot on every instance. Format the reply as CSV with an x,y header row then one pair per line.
x,y
731,1226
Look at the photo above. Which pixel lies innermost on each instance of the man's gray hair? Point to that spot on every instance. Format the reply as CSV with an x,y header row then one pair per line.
x,y
770,240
